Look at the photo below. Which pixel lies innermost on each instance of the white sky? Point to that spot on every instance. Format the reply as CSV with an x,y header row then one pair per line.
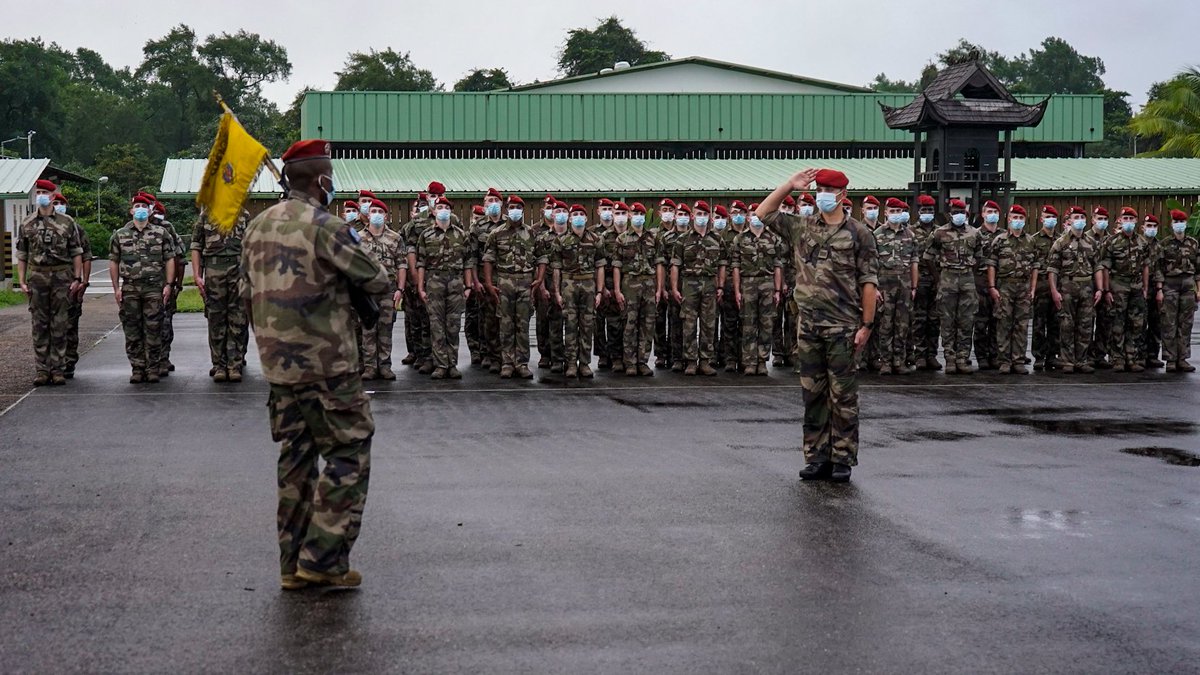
x,y
848,41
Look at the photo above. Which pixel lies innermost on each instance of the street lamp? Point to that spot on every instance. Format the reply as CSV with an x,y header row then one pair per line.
x,y
102,181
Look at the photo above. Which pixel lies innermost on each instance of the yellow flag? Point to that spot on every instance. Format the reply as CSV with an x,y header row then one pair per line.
x,y
233,164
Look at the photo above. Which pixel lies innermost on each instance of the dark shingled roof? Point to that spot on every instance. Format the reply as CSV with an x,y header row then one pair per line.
x,y
964,95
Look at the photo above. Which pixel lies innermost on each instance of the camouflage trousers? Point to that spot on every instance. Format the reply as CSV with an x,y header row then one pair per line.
x,y
541,321
640,315
730,337
416,325
662,339
513,317
1178,312
1045,324
985,324
609,335
1012,320
756,320
830,384
1127,317
698,313
892,319
168,327
957,302
228,330
489,329
556,348
1150,341
923,336
675,331
141,319
320,512
377,341
74,313
579,317
783,335
471,326
1101,332
444,291
1075,320
49,310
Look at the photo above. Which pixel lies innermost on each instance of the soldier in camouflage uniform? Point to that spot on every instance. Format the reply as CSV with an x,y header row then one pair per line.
x,y
637,265
76,295
509,263
1126,263
836,270
756,257
299,263
418,209
896,250
389,250
1150,341
1178,264
489,312
1076,281
1045,314
783,342
1013,266
698,266
445,281
554,347
159,217
985,315
350,214
729,320
956,249
49,271
925,325
142,269
415,312
542,231
868,358
683,228
578,264
605,330
668,311
1098,235
215,261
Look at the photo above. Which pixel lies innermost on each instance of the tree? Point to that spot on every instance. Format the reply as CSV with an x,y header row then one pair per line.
x,y
128,168
171,61
243,63
33,78
384,71
484,80
1174,117
587,51
1057,68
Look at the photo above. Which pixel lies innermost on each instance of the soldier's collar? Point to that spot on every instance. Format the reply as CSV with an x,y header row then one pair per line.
x,y
306,198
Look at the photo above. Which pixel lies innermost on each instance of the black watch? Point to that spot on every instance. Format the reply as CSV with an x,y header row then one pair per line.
x,y
869,325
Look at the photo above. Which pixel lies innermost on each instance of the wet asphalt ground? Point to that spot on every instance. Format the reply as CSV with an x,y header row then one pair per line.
x,y
1045,523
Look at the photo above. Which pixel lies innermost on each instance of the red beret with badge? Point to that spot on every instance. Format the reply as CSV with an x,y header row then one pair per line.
x,y
926,200
720,211
637,207
804,197
738,204
870,199
958,204
301,151
1128,211
436,188
366,194
1100,211
378,204
701,205
605,201
1151,218
1017,209
989,204
578,207
514,199
58,197
683,207
893,203
620,206
667,203
1050,210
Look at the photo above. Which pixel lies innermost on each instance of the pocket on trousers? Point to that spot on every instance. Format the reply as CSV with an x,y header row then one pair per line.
x,y
347,412
275,414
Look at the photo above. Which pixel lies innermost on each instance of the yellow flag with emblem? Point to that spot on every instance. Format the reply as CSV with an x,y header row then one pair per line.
x,y
234,163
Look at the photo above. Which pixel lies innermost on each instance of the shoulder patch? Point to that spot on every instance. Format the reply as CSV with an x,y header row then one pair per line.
x,y
354,235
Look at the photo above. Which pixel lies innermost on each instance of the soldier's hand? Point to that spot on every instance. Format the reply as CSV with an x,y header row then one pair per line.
x,y
620,299
658,296
25,288
1145,293
467,293
995,293
803,179
1158,297
878,296
558,300
1096,297
424,295
200,285
860,338
737,300
479,287
1057,298
677,296
117,295
495,293
1032,295
912,295
166,294
720,294
599,297
396,298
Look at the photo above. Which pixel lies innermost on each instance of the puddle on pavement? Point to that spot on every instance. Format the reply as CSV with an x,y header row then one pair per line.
x,y
646,406
1073,426
768,448
1042,523
935,435
1169,455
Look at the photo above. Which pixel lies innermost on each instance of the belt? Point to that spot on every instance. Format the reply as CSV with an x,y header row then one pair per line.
x,y
152,280
634,275
582,276
755,276
514,273
439,270
1087,278
53,268
1179,277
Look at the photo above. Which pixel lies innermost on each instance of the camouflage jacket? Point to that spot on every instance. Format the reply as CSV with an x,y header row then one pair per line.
x,y
921,232
217,248
955,249
897,251
177,246
1124,256
478,232
298,262
1178,257
445,250
636,253
988,237
543,246
510,249
698,255
578,254
48,240
141,253
832,265
756,256
85,243
1073,257
386,248
1013,256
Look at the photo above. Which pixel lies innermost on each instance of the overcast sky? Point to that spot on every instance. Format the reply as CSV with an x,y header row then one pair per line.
x,y
848,41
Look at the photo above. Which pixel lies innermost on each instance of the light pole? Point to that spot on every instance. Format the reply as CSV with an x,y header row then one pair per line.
x,y
29,144
102,181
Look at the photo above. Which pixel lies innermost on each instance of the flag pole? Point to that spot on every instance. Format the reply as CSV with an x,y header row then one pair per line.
x,y
267,161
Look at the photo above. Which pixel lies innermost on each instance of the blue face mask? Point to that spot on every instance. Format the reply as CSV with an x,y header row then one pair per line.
x,y
827,201
42,200
739,219
606,215
578,222
1179,228
1017,224
492,209
560,218
515,214
364,208
896,218
638,221
701,221
871,214
991,218
683,221
1049,223
719,223
377,219
905,216
1078,224
755,221
351,216
548,214
959,219
925,218
1102,224
60,208
806,211
141,213
443,215
1152,232
1128,227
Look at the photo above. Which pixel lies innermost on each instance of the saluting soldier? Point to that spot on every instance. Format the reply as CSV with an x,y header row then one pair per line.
x,y
729,321
142,270
1151,339
216,261
1178,262
756,257
666,327
1076,281
578,263
49,271
76,295
1045,313
698,266
637,265
898,276
445,281
985,314
509,263
1126,263
926,322
1012,278
1098,235
387,248
956,248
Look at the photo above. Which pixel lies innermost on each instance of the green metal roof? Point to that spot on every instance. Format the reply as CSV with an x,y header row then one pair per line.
x,y
423,117
402,177
697,60
17,176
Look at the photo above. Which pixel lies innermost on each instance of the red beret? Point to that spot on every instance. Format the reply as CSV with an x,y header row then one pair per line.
x,y
560,204
148,196
738,204
989,204
832,178
378,204
350,204
58,197
620,206
578,207
142,198
1176,214
789,200
477,209
753,207
549,198
159,208
1151,218
1100,211
683,207
957,204
1017,209
1076,211
870,199
720,211
304,150
366,193
422,195
667,203
804,197
1128,211
926,200
605,201
846,201
893,203
443,200
493,192
1050,209
514,199
701,205
436,188
46,185
637,207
